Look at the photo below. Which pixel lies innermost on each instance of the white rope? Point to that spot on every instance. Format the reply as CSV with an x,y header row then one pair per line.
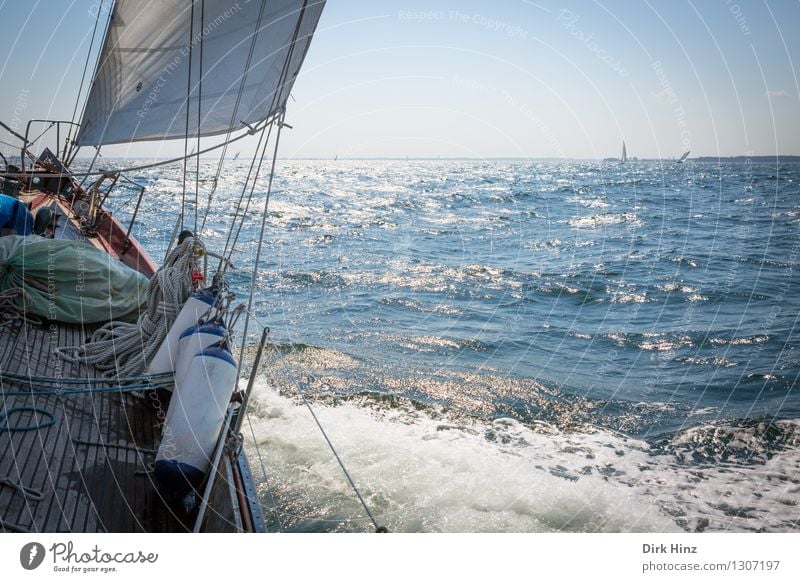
x,y
122,349
4,525
27,492
13,303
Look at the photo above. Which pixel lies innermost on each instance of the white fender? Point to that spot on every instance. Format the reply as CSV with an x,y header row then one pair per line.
x,y
193,341
194,420
167,354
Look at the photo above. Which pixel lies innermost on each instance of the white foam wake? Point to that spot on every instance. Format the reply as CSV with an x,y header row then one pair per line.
x,y
423,474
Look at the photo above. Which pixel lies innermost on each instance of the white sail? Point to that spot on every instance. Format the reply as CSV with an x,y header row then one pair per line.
x,y
151,61
624,152
683,157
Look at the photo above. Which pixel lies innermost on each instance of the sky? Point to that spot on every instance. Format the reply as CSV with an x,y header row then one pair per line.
x,y
447,78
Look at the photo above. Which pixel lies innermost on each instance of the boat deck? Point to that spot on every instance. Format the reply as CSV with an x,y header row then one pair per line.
x,y
91,465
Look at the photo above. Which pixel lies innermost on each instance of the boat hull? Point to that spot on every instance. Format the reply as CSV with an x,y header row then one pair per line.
x,y
90,470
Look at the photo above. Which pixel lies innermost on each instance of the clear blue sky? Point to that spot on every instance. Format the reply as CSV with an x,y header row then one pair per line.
x,y
489,79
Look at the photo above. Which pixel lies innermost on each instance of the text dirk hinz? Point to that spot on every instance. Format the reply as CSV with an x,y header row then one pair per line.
x,y
671,549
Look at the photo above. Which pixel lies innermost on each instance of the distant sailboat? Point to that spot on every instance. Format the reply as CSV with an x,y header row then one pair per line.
x,y
624,153
683,157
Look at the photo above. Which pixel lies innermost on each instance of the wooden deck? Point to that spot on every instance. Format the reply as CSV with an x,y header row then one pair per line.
x,y
91,466
90,470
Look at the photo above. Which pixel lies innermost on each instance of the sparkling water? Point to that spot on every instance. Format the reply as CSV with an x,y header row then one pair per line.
x,y
517,346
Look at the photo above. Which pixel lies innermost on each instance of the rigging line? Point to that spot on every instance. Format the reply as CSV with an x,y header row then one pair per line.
x,y
244,191
98,64
277,512
293,44
245,184
246,208
41,135
91,165
247,321
339,460
188,107
235,111
275,98
255,270
264,471
260,236
300,390
199,112
131,169
285,71
11,145
85,69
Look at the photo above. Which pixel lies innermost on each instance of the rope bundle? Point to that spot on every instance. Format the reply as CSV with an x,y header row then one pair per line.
x,y
12,306
122,349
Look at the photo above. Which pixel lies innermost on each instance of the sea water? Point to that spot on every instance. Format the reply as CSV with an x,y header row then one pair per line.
x,y
514,345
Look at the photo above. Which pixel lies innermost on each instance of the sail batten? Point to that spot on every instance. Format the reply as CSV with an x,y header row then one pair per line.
x,y
149,70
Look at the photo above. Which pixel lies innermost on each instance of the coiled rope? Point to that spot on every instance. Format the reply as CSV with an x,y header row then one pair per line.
x,y
12,306
44,419
31,379
122,349
26,492
103,390
29,493
39,424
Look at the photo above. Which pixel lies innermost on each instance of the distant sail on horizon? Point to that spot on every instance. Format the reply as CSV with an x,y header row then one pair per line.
x,y
683,157
624,152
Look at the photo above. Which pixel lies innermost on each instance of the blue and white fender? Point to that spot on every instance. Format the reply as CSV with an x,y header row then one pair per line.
x,y
193,341
194,420
195,307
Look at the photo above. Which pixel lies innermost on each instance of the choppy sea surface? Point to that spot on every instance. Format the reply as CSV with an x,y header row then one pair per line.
x,y
518,346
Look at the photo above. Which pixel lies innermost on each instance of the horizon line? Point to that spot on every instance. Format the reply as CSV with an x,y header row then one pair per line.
x,y
472,158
